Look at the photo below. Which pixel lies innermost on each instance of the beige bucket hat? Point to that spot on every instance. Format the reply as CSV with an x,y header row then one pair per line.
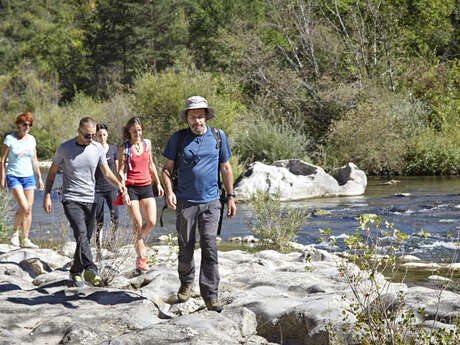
x,y
196,102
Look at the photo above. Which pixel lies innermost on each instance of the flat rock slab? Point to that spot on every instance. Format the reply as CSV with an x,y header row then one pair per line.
x,y
269,297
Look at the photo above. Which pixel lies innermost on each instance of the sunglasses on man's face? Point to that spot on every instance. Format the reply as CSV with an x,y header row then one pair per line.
x,y
89,136
27,124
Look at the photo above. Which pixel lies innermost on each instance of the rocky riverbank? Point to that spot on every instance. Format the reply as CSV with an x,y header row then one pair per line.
x,y
270,298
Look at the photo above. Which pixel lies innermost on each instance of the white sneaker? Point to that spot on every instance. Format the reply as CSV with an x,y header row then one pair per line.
x,y
26,243
15,239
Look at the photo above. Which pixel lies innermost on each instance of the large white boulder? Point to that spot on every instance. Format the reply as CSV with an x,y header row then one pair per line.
x,y
297,180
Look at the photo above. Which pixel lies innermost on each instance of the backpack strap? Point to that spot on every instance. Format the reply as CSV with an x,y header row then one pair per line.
x,y
216,133
127,152
179,149
222,196
146,145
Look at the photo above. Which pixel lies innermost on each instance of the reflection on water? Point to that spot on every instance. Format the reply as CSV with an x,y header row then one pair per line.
x,y
431,204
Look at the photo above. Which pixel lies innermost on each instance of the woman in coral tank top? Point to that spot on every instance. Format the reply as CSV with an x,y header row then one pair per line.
x,y
136,169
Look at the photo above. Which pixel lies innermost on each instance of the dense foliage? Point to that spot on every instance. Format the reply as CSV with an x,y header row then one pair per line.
x,y
331,81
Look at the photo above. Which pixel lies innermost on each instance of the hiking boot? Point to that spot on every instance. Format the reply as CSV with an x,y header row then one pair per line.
x,y
141,264
184,293
213,304
26,243
15,239
77,280
92,277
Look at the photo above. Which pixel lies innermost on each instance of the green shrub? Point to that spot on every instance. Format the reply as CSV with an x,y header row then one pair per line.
x,y
373,139
434,153
114,112
160,98
276,225
265,141
437,85
26,89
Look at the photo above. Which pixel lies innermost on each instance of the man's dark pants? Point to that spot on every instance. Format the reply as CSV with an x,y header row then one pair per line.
x,y
81,216
205,216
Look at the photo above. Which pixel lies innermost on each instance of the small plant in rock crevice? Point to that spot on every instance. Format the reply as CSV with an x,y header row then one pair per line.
x,y
173,249
153,259
275,224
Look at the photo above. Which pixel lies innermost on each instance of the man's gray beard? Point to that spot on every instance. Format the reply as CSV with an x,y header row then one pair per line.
x,y
198,132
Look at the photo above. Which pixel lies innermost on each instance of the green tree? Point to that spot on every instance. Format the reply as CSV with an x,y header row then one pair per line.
x,y
47,34
126,38
207,16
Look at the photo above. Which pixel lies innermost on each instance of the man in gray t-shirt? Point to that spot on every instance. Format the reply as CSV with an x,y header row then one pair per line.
x,y
79,157
79,165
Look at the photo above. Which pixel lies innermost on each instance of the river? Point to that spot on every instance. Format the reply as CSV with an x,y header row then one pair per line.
x,y
431,204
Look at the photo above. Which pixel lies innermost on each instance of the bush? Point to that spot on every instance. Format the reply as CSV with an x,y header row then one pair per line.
x,y
160,98
437,85
368,137
276,225
26,89
114,112
264,141
434,153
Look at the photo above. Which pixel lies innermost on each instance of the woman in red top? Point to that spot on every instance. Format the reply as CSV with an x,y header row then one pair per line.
x,y
136,170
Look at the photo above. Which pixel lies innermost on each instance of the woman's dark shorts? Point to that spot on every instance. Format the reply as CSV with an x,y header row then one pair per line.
x,y
140,192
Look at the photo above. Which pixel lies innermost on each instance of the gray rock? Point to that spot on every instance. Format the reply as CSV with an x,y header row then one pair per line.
x,y
269,298
47,256
79,334
408,258
297,180
8,338
15,270
35,265
10,283
52,277
352,180
68,249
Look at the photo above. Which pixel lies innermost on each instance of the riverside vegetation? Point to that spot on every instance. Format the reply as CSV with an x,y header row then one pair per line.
x,y
330,81
377,314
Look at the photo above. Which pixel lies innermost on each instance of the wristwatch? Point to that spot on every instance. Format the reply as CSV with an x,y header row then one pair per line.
x,y
231,195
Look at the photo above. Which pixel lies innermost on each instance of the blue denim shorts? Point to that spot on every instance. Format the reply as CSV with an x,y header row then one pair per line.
x,y
24,182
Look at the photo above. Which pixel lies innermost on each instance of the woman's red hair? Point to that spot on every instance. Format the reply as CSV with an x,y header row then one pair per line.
x,y
24,117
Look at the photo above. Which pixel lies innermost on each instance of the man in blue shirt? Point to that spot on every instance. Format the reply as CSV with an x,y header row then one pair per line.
x,y
196,200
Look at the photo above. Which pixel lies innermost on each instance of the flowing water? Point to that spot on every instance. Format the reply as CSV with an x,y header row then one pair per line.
x,y
430,203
